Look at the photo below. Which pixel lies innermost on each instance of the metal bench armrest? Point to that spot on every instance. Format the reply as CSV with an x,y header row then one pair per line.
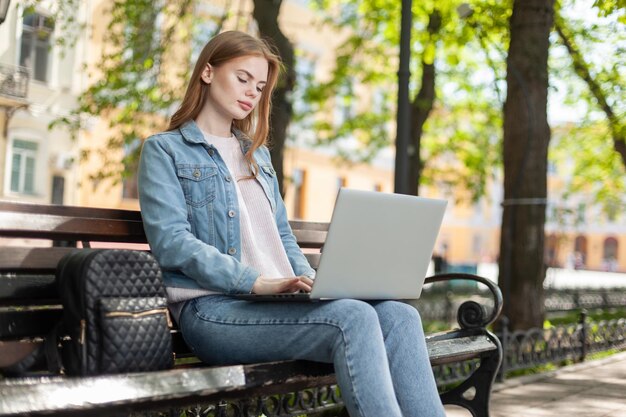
x,y
472,314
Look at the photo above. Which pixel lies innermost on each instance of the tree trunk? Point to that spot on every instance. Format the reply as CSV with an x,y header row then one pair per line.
x,y
526,139
421,108
266,15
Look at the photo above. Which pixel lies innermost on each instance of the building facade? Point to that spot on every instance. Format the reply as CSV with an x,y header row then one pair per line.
x,y
39,84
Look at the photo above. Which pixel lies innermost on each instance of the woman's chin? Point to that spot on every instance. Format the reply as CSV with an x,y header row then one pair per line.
x,y
241,115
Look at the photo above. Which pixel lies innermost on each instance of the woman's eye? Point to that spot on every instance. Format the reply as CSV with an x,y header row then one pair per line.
x,y
259,89
242,80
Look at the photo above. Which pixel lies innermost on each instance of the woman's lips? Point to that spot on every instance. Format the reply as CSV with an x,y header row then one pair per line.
x,y
245,105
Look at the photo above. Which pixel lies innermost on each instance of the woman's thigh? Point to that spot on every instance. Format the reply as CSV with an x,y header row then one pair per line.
x,y
225,330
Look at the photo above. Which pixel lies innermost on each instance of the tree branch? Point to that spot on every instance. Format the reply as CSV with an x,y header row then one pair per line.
x,y
581,68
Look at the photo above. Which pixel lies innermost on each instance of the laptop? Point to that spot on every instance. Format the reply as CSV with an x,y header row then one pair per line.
x,y
378,247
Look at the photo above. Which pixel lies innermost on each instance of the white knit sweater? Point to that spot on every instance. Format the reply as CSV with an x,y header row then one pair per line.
x,y
261,247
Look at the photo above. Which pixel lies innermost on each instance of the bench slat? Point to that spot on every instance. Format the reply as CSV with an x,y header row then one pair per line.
x,y
26,290
314,259
458,349
73,211
28,324
307,225
54,227
23,259
310,238
67,222
104,395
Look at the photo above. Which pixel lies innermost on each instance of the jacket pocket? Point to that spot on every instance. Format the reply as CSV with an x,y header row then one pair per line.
x,y
198,183
268,170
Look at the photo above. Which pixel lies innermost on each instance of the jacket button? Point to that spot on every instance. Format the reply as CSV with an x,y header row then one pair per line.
x,y
232,251
211,152
231,213
196,173
227,178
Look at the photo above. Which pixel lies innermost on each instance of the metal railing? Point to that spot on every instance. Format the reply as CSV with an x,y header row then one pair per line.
x,y
443,305
538,347
575,299
14,81
572,342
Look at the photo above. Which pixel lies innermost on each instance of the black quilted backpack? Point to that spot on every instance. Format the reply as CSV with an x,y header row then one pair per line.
x,y
115,313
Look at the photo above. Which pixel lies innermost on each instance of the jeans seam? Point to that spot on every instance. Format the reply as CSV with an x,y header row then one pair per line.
x,y
350,372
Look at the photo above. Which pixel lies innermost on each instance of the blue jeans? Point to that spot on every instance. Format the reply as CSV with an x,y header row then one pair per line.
x,y
377,348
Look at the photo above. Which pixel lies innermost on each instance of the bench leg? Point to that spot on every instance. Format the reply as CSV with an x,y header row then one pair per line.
x,y
481,380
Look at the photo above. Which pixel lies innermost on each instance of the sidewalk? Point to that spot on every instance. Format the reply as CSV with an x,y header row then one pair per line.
x,y
589,389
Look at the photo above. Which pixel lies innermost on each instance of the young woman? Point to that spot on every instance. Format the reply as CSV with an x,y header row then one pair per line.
x,y
216,223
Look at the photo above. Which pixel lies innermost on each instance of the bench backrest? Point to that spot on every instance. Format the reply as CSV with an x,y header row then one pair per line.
x,y
33,238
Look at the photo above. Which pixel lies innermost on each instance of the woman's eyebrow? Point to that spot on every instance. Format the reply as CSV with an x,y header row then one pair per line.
x,y
251,76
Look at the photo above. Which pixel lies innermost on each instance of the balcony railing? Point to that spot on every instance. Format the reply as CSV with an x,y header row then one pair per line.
x,y
14,81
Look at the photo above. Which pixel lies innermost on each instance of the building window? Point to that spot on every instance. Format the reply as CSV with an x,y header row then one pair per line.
x,y
23,166
552,247
609,254
580,252
35,45
58,190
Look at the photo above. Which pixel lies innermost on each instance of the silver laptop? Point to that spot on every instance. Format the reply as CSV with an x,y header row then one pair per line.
x,y
378,247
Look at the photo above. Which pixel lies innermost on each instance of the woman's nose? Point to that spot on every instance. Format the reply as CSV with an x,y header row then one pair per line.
x,y
252,92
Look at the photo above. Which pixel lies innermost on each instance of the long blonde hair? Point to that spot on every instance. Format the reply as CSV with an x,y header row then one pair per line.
x,y
220,49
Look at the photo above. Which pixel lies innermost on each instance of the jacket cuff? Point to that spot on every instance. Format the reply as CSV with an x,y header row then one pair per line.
x,y
309,274
246,281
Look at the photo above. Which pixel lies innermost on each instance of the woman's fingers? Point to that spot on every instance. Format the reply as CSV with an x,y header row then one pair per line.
x,y
299,284
264,285
288,284
303,285
308,281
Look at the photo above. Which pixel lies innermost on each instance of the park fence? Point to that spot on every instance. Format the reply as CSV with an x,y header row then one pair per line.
x,y
536,348
438,304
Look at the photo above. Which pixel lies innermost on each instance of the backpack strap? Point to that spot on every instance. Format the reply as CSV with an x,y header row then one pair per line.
x,y
46,353
51,350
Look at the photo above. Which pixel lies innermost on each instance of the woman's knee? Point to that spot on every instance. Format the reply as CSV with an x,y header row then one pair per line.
x,y
396,312
351,313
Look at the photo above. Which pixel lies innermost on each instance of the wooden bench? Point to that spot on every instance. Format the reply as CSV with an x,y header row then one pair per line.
x,y
29,307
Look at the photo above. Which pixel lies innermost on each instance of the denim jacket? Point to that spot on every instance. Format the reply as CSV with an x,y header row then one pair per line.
x,y
191,214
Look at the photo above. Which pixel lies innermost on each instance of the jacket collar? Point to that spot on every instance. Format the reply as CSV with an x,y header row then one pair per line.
x,y
192,133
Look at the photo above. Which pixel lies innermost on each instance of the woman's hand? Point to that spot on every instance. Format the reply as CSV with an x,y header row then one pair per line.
x,y
264,285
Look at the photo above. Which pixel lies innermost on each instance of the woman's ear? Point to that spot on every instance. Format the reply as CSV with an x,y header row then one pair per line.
x,y
207,74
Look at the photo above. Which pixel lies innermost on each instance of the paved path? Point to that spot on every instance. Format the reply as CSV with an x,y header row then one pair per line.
x,y
590,389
